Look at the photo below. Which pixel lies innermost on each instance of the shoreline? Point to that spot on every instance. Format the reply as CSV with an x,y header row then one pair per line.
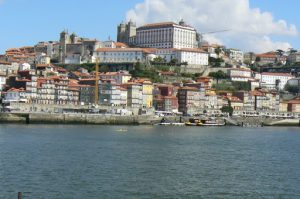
x,y
86,119
96,119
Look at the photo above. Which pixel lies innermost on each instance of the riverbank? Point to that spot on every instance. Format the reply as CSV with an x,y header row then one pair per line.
x,y
50,118
101,119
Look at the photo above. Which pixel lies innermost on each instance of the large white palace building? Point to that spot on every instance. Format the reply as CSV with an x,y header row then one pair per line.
x,y
162,35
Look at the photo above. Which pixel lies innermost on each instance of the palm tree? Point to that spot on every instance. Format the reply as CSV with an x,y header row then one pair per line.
x,y
279,52
292,51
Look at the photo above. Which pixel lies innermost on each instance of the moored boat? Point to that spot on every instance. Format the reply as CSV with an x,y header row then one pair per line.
x,y
193,122
212,123
171,124
204,122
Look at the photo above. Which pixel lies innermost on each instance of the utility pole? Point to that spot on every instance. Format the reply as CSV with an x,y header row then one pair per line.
x,y
97,82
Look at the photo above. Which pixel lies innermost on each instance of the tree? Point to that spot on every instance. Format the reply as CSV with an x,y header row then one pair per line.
x,y
279,52
279,55
292,51
294,89
54,61
174,61
159,60
218,75
227,109
254,68
218,50
245,86
104,69
257,59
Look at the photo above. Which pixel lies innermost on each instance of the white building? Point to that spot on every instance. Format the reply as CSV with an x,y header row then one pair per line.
x,y
274,80
240,75
43,59
9,68
190,55
2,81
112,94
294,58
134,94
24,66
108,44
73,59
15,95
236,55
122,55
166,35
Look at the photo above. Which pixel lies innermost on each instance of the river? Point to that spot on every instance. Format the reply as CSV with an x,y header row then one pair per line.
x,y
69,161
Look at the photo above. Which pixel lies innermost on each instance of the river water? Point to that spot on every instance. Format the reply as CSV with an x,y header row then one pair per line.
x,y
53,161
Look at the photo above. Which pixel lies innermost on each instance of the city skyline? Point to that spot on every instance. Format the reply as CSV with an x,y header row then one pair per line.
x,y
272,27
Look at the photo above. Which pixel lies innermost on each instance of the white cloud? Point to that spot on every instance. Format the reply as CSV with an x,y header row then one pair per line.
x,y
250,28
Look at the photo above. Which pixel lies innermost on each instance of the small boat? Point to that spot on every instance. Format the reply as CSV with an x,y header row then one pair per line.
x,y
211,123
171,124
193,122
204,122
122,130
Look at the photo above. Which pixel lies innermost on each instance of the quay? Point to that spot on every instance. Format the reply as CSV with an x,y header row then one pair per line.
x,y
110,119
59,118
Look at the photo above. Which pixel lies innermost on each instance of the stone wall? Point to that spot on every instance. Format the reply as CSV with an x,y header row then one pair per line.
x,y
51,118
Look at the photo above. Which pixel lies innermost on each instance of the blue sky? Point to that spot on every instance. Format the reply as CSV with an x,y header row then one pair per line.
x,y
25,22
287,10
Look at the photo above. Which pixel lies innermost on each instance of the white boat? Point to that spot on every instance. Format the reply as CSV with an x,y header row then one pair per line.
x,y
122,130
171,124
211,123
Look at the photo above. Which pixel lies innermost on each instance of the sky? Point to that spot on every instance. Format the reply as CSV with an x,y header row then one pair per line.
x,y
254,25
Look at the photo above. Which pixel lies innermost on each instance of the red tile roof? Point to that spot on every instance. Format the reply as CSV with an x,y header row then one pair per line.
x,y
277,74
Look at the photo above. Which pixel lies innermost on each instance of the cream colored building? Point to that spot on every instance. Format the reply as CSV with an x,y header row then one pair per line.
x,y
166,35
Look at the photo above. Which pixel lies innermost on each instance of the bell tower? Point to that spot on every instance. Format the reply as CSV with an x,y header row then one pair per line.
x,y
64,40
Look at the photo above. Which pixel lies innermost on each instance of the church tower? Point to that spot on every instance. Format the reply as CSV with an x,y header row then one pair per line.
x,y
64,40
127,32
121,36
131,29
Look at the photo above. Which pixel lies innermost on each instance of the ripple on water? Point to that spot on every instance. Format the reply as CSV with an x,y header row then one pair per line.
x,y
59,161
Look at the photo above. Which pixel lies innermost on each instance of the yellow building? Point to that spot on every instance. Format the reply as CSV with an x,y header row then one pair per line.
x,y
148,94
147,90
283,106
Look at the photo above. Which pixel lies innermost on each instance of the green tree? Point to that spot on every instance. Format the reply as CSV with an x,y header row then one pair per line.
x,y
159,60
292,89
218,51
104,69
174,62
218,75
245,86
227,109
257,59
279,52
